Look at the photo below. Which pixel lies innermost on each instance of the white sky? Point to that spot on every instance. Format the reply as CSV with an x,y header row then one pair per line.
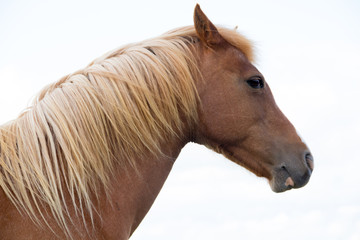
x,y
309,53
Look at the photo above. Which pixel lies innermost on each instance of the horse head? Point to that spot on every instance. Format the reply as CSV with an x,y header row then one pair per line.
x,y
238,116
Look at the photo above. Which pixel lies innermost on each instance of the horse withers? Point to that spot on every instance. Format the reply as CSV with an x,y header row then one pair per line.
x,y
88,158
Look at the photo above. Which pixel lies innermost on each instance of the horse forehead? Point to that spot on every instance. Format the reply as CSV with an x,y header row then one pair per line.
x,y
212,60
232,58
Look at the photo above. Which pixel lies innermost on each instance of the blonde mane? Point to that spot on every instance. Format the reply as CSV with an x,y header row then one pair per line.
x,y
124,104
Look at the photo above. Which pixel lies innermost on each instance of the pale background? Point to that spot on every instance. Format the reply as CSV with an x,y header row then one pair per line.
x,y
309,52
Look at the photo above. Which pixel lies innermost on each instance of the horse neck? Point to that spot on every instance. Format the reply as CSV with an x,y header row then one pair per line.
x,y
132,193
129,195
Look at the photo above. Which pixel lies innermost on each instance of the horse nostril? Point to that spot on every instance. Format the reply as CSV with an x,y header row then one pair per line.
x,y
309,161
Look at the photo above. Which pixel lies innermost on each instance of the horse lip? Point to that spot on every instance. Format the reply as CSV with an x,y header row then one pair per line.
x,y
281,180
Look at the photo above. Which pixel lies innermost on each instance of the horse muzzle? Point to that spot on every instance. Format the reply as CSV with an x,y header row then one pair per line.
x,y
287,176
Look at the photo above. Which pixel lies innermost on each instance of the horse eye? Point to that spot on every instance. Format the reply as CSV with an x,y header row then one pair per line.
x,y
255,82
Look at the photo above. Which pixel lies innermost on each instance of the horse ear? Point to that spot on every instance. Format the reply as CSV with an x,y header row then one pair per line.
x,y
205,29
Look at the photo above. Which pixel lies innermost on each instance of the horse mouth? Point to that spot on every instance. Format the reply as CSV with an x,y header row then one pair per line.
x,y
283,180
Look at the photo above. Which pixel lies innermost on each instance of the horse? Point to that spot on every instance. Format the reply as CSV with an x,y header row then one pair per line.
x,y
87,159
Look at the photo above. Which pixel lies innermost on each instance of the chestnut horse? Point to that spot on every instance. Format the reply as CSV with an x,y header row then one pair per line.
x,y
88,158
